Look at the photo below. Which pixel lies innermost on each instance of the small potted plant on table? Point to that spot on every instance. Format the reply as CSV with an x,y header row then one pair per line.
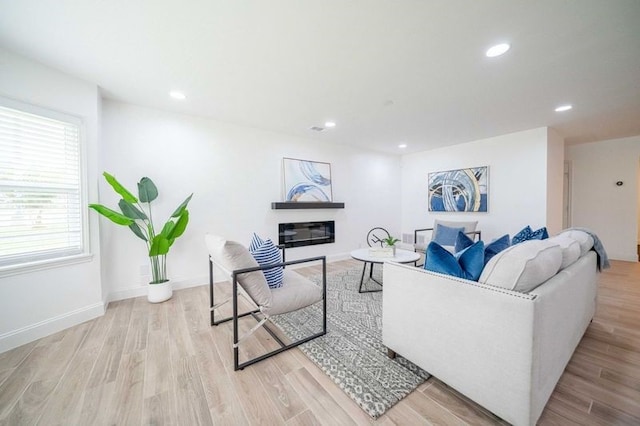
x,y
391,242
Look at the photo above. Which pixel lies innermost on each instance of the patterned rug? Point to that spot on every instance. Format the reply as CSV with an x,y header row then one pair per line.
x,y
351,352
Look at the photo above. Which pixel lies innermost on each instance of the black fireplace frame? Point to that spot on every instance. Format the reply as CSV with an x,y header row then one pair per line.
x,y
307,233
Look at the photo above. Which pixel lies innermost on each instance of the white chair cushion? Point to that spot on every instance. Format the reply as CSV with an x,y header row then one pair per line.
x,y
296,293
570,249
231,256
524,266
585,240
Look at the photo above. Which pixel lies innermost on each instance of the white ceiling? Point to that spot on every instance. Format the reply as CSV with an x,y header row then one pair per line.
x,y
386,71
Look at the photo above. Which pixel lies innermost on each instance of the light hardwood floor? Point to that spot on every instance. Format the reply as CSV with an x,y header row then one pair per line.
x,y
163,364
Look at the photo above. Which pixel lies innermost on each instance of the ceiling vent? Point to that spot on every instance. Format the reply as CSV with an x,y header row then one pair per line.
x,y
316,128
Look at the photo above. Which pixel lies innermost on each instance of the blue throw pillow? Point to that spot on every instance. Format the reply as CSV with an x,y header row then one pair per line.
x,y
528,234
496,247
462,242
521,236
540,234
268,254
255,243
490,250
446,236
466,264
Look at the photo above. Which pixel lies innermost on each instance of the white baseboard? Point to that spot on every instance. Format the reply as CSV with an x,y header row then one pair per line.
x,y
128,293
628,257
41,329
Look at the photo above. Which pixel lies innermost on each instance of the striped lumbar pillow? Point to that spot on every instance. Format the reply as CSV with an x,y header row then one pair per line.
x,y
268,254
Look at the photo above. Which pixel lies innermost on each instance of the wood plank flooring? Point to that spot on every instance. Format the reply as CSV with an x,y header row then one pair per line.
x,y
163,364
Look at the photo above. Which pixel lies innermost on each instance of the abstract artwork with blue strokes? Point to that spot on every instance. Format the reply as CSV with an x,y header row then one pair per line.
x,y
461,190
306,180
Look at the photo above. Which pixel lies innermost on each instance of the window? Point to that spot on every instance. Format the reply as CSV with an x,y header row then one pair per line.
x,y
41,202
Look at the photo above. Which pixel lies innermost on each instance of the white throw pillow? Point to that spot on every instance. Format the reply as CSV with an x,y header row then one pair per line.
x,y
570,249
585,240
524,266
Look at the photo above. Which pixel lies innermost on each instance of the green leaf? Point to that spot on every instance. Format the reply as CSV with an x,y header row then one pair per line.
x,y
168,228
181,225
129,210
124,192
159,246
147,190
182,206
136,230
112,215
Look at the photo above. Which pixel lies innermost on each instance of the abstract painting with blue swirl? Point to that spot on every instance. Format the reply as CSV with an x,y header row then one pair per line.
x,y
306,180
462,190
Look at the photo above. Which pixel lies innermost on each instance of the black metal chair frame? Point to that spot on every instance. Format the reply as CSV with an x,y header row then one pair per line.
x,y
256,312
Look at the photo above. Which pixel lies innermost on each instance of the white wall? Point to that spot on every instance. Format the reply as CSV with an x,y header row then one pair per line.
x,y
235,174
35,304
597,203
517,182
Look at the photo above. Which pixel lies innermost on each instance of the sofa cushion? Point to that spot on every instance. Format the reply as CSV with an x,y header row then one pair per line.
x,y
466,264
527,234
268,254
231,256
446,235
585,240
524,266
570,249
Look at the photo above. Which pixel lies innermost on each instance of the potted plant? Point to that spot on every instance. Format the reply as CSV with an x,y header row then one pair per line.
x,y
391,242
139,219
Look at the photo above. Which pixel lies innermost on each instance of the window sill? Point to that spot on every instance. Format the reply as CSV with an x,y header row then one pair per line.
x,y
25,268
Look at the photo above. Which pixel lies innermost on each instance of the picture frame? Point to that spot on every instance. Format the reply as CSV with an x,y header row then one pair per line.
x,y
306,180
459,190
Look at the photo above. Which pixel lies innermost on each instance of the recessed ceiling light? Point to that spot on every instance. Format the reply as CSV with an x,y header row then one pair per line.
x,y
176,94
562,108
402,145
329,124
498,50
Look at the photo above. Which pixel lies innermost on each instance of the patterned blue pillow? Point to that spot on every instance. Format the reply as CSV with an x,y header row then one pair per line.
x,y
268,254
528,234
467,264
445,235
540,234
255,243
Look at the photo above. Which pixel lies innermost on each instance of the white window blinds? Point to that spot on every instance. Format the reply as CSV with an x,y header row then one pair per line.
x,y
40,193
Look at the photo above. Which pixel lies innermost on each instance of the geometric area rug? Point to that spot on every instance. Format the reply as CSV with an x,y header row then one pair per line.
x,y
352,353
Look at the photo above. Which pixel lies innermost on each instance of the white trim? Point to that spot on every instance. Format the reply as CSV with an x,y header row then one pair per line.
x,y
15,338
25,268
128,293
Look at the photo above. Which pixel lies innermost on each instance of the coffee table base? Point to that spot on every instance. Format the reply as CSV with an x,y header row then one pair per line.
x,y
364,269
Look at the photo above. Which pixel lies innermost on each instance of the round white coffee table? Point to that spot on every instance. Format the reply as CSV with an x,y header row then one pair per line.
x,y
402,256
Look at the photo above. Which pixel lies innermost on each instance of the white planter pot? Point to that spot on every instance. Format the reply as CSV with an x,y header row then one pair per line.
x,y
157,293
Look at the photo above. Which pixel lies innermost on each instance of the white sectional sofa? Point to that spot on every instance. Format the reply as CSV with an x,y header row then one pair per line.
x,y
501,348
